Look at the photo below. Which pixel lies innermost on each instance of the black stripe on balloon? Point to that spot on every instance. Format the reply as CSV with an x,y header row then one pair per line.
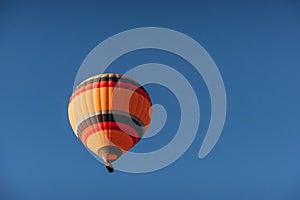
x,y
111,78
130,121
103,151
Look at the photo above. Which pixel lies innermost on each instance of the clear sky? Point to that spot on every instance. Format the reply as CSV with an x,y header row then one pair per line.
x,y
256,46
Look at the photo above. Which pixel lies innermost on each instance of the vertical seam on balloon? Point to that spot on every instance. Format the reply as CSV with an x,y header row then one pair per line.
x,y
109,106
79,111
98,79
85,103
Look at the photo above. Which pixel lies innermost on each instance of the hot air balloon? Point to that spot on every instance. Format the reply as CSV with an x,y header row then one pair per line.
x,y
109,113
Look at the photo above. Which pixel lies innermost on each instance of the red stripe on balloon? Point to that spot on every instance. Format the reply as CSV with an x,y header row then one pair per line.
x,y
101,126
118,84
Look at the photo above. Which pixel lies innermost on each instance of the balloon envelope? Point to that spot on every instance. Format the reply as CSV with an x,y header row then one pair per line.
x,y
109,113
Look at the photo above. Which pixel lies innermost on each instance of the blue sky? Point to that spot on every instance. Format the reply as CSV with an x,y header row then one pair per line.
x,y
255,45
